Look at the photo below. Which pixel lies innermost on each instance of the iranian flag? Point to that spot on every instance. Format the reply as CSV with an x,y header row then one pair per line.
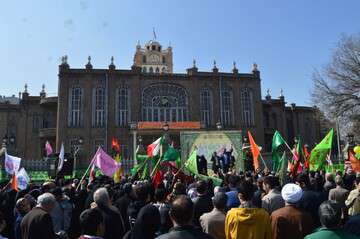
x,y
154,148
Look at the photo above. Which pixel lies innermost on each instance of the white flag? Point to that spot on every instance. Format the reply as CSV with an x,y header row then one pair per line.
x,y
61,157
23,179
12,164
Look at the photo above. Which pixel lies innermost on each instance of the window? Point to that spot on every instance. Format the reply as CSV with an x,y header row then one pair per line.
x,y
274,120
206,106
153,47
163,60
144,69
266,120
49,120
151,70
227,109
98,143
163,70
157,70
164,102
36,122
98,107
247,107
144,59
75,107
122,106
159,48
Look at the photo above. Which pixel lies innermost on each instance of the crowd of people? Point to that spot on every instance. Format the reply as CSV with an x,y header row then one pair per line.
x,y
247,205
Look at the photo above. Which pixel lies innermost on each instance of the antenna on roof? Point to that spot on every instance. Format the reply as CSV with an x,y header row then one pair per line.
x,y
154,33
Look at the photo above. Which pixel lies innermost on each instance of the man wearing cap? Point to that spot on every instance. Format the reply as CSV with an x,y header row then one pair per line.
x,y
290,221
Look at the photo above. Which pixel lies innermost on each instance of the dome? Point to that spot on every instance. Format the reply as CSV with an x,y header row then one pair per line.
x,y
153,45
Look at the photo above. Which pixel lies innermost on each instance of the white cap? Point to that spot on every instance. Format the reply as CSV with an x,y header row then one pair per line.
x,y
291,193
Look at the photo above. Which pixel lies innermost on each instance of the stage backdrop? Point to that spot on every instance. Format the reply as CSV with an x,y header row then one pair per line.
x,y
208,142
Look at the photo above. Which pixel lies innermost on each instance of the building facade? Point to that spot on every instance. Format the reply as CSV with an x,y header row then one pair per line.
x,y
95,105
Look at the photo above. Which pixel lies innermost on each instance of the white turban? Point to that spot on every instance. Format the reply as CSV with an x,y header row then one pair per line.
x,y
291,193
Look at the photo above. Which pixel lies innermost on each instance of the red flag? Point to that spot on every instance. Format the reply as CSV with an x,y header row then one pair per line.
x,y
255,151
14,184
158,178
355,163
307,157
115,144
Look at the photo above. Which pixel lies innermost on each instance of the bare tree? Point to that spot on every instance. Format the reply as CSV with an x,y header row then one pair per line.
x,y
337,86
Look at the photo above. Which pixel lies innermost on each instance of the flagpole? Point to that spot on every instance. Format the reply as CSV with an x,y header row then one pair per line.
x,y
83,177
262,159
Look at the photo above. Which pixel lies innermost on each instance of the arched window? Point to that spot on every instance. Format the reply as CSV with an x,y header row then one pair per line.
x,y
163,70
206,106
157,70
151,70
144,59
122,111
144,69
247,107
163,60
98,107
75,107
164,102
227,109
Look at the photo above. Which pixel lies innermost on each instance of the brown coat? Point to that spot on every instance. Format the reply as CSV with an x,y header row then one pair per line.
x,y
290,222
37,224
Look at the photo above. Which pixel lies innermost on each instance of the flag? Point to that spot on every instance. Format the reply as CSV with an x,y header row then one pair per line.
x,y
12,163
154,148
307,157
216,181
14,184
115,145
255,151
48,148
117,176
171,154
355,163
319,153
61,157
277,141
92,173
105,162
22,179
191,163
158,178
283,168
297,159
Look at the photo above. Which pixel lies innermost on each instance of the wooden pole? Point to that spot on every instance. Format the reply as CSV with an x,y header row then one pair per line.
x,y
83,177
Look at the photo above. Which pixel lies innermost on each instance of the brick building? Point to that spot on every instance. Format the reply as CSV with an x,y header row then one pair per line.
x,y
95,105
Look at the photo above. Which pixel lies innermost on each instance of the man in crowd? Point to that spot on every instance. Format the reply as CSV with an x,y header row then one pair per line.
x,y
353,200
123,203
22,207
247,221
61,214
37,224
290,221
232,194
339,194
92,225
114,226
213,222
273,199
202,203
181,212
330,217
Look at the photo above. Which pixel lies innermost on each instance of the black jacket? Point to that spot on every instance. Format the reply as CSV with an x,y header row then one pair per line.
x,y
202,204
185,232
114,225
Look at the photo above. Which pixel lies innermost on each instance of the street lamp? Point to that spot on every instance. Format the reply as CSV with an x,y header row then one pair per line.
x,y
218,126
77,148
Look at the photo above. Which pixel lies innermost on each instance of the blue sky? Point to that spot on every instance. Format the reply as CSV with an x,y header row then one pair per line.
x,y
287,39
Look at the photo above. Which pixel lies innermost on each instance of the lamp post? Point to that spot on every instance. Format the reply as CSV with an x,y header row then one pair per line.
x,y
77,148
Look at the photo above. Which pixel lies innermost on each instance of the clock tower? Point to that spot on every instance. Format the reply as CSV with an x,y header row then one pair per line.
x,y
153,59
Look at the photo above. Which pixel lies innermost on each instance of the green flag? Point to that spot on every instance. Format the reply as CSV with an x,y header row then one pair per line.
x,y
276,143
191,163
171,154
283,168
319,153
216,181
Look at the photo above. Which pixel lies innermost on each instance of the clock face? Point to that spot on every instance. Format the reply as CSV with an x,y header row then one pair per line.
x,y
154,58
